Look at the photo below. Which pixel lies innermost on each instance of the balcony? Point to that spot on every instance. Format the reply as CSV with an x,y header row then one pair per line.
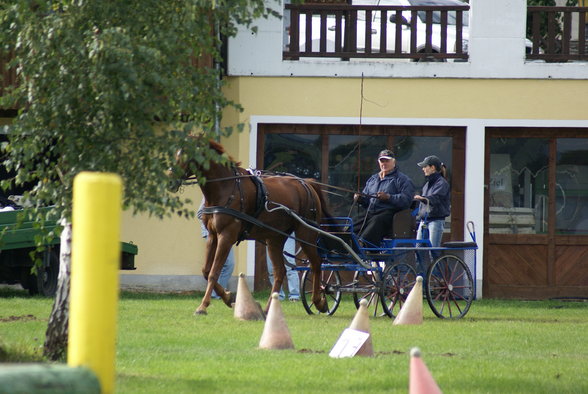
x,y
558,33
419,33
422,33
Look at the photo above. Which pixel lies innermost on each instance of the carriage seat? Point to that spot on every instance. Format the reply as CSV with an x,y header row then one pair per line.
x,y
460,245
403,228
403,225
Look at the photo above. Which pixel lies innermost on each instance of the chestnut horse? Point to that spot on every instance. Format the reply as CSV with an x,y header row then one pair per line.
x,y
242,206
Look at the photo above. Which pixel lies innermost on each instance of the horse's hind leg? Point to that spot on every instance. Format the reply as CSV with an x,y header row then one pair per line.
x,y
275,249
318,299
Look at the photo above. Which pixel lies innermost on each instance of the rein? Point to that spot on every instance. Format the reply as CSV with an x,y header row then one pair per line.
x,y
228,178
259,174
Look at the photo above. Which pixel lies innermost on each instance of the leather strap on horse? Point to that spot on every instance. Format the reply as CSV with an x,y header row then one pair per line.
x,y
248,219
313,207
260,200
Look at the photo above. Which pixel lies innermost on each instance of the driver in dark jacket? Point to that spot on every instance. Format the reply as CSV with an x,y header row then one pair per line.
x,y
385,193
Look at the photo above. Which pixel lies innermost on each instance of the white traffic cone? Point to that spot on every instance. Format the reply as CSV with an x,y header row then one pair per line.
x,y
246,308
361,322
412,310
421,381
275,332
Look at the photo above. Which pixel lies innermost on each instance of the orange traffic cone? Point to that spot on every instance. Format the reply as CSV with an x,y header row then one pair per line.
x,y
412,310
246,308
421,381
361,322
275,332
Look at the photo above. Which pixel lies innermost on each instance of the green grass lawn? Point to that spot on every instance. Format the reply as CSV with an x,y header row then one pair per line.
x,y
499,347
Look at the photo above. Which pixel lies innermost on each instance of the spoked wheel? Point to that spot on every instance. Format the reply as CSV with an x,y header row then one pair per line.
x,y
369,288
449,288
398,280
329,287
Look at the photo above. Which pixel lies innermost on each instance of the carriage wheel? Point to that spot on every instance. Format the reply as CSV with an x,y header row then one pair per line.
x,y
398,280
449,287
329,287
370,289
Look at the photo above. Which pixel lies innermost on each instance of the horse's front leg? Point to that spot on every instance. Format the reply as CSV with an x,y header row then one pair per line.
x,y
217,252
275,251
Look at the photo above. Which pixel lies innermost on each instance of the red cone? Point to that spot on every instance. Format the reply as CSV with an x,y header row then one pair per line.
x,y
421,381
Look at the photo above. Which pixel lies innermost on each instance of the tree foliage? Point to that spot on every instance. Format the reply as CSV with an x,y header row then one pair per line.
x,y
112,86
543,19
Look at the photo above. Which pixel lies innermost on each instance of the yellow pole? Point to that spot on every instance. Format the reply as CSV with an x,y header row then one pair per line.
x,y
94,274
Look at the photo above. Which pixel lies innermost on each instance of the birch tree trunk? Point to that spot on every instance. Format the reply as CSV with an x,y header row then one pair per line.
x,y
55,347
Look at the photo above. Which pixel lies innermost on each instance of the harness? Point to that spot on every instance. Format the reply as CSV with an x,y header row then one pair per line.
x,y
262,202
261,196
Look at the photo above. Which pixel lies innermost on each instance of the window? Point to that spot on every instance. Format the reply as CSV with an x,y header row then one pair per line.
x,y
518,185
297,154
571,186
346,160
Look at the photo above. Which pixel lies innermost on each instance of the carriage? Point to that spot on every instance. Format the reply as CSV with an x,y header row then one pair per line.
x,y
258,205
384,276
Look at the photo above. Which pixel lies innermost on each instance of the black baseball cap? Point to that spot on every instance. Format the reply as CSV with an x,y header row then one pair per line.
x,y
431,161
386,154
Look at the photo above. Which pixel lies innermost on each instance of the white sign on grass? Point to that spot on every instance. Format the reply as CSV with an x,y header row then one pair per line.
x,y
349,343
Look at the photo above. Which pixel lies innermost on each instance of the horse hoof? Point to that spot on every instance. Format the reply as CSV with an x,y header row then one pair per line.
x,y
200,312
232,299
322,306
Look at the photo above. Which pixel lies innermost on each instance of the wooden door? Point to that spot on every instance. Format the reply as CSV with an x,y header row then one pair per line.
x,y
536,226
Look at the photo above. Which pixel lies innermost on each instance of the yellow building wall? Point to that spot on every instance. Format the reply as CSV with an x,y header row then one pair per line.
x,y
171,246
174,246
411,98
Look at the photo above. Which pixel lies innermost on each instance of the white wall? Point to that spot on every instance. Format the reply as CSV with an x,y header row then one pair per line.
x,y
496,48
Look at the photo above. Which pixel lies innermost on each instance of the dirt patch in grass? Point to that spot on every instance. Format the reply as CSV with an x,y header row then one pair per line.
x,y
17,318
310,351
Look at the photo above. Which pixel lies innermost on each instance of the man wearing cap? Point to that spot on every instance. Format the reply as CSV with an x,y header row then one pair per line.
x,y
385,193
435,201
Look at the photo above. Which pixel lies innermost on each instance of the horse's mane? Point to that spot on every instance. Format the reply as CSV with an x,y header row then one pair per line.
x,y
217,147
221,150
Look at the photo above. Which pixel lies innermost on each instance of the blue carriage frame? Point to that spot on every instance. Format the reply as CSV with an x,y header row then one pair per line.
x,y
385,275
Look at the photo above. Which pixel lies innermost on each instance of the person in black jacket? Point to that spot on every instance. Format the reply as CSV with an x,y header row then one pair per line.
x,y
434,202
385,193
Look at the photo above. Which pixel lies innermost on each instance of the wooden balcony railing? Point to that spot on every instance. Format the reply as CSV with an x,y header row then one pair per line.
x,y
420,33
558,33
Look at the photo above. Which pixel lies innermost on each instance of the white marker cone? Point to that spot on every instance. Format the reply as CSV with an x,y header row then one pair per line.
x,y
412,310
246,308
275,332
361,322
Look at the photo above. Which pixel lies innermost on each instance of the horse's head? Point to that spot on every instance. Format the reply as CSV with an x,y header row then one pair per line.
x,y
186,166
179,172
